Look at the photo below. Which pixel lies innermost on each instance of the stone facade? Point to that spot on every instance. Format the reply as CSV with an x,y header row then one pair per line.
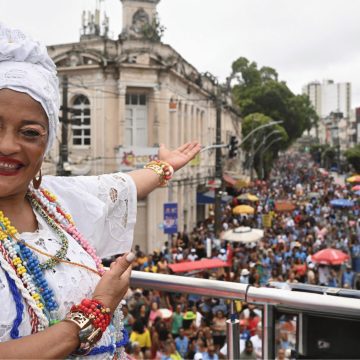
x,y
130,95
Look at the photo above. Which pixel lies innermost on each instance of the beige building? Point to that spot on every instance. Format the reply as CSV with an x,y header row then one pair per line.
x,y
128,96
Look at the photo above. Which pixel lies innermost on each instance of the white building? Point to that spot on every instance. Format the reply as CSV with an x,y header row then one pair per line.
x,y
332,103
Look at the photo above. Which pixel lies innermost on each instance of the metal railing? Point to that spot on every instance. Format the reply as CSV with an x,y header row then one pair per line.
x,y
268,298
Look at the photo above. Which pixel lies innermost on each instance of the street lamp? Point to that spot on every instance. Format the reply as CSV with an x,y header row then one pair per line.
x,y
264,150
265,138
251,133
253,153
259,128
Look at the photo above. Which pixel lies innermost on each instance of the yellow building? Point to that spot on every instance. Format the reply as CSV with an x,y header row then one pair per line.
x,y
129,95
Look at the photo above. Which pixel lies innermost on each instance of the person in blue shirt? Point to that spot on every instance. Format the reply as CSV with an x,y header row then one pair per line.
x,y
348,278
210,354
182,343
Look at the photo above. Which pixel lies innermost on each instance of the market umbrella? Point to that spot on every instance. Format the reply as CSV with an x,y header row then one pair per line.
x,y
243,209
284,205
342,203
241,183
357,193
330,256
355,188
165,313
354,179
243,234
248,197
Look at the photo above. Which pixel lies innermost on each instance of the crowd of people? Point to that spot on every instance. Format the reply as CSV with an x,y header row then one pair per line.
x,y
195,326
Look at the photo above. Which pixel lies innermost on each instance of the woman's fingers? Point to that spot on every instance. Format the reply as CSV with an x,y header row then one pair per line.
x,y
121,264
184,147
193,149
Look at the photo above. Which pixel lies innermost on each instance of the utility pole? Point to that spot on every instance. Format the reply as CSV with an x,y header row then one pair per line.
x,y
63,146
218,164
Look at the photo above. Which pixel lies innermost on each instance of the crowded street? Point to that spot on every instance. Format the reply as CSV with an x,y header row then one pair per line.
x,y
176,186
309,230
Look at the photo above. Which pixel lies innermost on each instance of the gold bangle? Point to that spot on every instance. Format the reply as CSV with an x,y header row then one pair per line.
x,y
163,169
88,334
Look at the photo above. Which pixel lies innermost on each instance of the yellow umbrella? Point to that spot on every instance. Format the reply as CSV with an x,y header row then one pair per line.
x,y
241,184
355,178
243,209
249,197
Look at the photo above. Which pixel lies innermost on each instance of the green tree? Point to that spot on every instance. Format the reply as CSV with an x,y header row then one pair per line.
x,y
260,91
353,157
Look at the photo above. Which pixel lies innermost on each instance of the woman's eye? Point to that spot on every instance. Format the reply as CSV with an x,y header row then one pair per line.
x,y
31,133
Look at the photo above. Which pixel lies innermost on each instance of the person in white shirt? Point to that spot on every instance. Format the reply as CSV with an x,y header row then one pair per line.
x,y
257,341
222,255
192,256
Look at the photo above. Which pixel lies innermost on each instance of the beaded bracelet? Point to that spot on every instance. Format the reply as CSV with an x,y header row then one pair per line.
x,y
94,310
92,318
161,168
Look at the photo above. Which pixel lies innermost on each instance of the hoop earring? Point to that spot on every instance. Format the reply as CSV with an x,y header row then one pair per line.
x,y
37,181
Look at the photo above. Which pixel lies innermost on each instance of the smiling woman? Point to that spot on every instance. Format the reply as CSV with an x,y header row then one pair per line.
x,y
56,299
23,140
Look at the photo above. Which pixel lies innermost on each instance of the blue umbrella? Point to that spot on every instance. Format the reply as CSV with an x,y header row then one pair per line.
x,y
357,192
341,203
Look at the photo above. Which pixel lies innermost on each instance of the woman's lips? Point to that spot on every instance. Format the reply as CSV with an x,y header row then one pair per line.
x,y
10,168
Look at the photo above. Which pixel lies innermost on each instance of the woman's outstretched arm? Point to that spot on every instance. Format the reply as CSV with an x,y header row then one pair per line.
x,y
147,180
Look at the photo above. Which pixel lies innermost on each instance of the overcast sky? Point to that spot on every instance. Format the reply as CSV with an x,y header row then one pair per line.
x,y
304,40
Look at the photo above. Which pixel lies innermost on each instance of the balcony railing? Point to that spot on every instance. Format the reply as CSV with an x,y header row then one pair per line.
x,y
267,298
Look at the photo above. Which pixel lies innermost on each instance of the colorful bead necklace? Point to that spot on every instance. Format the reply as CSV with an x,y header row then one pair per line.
x,y
48,202
61,253
18,261
17,254
13,265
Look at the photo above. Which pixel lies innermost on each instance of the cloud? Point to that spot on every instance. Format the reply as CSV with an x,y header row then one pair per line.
x,y
302,39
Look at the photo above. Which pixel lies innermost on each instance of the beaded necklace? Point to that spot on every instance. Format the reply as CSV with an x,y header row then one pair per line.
x,y
12,263
21,261
44,199
18,262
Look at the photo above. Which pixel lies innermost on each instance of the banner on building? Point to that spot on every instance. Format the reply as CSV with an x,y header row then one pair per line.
x,y
170,218
130,158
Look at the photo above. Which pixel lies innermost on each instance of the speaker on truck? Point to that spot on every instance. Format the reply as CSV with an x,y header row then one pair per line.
x,y
327,337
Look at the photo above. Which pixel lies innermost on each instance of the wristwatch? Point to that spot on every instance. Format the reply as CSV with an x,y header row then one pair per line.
x,y
88,334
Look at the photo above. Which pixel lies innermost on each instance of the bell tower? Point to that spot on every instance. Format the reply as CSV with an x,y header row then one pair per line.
x,y
138,15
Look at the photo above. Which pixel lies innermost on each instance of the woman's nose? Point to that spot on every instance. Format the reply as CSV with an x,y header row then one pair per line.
x,y
9,143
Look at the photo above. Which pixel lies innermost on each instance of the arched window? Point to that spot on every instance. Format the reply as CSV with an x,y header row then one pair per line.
x,y
81,128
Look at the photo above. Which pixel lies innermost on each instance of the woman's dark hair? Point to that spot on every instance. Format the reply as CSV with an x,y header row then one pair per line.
x,y
138,326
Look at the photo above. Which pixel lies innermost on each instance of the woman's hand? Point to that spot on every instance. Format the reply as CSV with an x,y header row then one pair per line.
x,y
181,156
115,282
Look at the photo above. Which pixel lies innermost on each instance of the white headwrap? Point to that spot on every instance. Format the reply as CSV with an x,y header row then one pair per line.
x,y
25,66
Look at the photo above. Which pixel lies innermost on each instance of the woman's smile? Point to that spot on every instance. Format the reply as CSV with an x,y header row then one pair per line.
x,y
10,167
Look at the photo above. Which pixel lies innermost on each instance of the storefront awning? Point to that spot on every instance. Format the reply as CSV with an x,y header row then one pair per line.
x,y
209,198
204,264
229,179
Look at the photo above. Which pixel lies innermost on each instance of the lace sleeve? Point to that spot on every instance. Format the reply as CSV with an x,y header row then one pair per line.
x,y
103,208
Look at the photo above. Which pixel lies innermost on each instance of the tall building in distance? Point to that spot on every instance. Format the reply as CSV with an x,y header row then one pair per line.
x,y
328,97
332,103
